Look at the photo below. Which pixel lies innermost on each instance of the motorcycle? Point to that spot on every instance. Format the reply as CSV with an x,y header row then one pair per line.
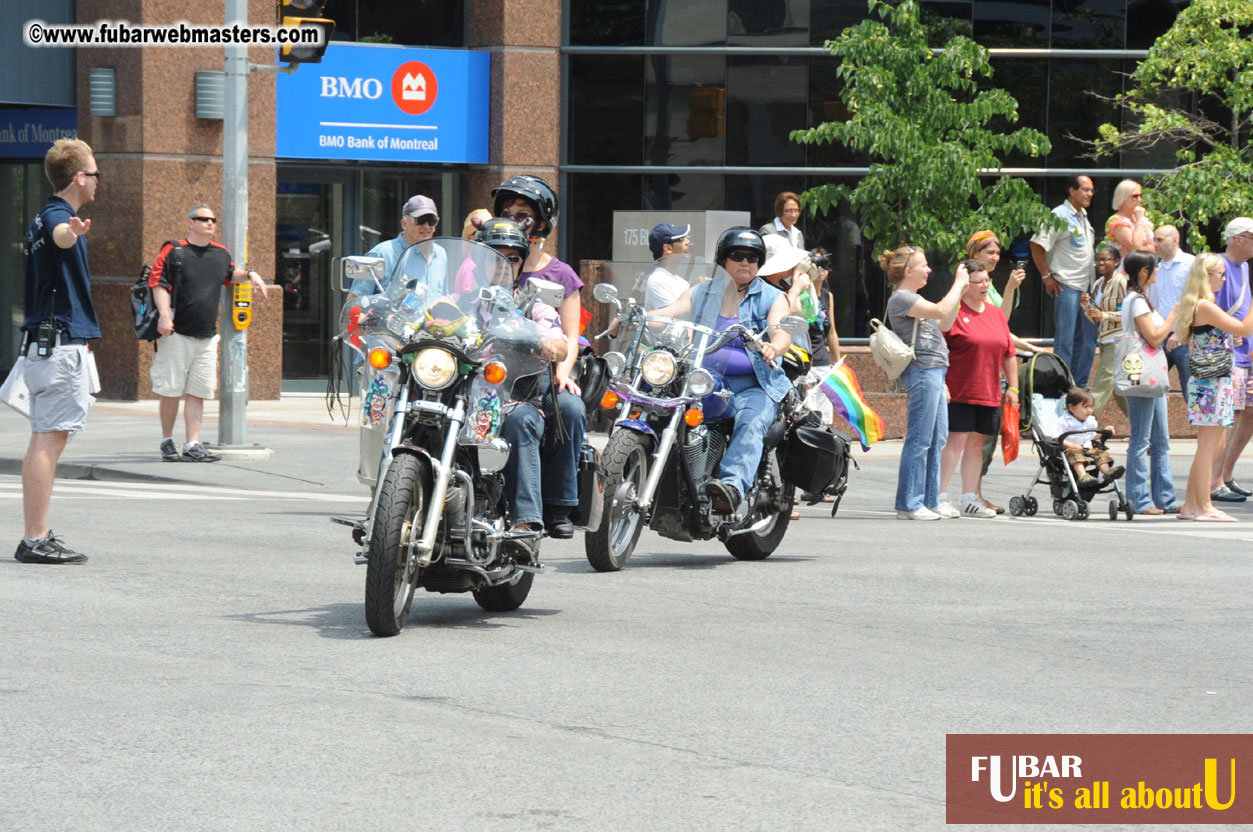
x,y
441,354
674,426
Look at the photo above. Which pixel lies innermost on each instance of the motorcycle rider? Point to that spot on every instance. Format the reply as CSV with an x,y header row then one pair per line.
x,y
532,203
755,378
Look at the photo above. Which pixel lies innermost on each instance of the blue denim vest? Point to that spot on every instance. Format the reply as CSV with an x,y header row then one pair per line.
x,y
754,314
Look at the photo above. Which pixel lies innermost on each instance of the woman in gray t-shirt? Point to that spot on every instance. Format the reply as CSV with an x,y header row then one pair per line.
x,y
918,481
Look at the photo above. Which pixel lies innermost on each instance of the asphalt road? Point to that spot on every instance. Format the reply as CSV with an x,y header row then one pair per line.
x,y
210,668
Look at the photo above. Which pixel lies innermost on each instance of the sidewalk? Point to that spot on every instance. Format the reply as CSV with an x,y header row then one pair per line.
x,y
311,451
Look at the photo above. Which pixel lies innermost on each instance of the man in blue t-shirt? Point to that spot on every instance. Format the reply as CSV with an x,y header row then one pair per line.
x,y
1234,298
418,222
60,319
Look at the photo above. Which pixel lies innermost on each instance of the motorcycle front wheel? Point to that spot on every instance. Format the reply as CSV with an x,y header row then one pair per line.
x,y
626,469
391,577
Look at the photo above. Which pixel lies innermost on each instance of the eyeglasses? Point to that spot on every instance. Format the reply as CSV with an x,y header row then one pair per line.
x,y
514,258
425,219
980,283
204,219
743,256
94,173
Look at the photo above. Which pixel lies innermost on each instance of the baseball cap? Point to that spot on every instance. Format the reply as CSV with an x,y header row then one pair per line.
x,y
1240,225
781,255
419,206
666,233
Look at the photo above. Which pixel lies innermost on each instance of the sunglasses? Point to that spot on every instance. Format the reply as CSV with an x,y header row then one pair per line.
x,y
742,256
426,219
94,173
204,219
514,258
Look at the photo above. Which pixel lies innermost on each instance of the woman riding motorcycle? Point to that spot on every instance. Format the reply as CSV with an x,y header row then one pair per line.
x,y
532,204
756,380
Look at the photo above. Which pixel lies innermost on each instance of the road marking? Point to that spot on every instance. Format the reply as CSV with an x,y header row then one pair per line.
x,y
11,488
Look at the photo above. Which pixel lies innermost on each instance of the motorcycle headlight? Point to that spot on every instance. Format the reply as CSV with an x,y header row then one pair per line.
x,y
615,362
658,368
700,383
435,368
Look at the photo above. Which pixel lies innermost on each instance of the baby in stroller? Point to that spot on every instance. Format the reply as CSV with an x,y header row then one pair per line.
x,y
1068,443
1076,430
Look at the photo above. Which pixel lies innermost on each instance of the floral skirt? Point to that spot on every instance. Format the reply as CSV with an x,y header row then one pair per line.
x,y
1211,402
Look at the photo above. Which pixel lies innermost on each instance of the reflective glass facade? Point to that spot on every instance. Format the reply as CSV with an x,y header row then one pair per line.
x,y
670,84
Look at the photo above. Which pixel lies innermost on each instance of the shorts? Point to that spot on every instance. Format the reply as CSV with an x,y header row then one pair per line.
x,y
185,366
1241,387
976,418
1080,456
60,389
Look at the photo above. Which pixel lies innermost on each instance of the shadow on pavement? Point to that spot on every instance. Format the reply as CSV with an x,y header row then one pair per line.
x,y
347,621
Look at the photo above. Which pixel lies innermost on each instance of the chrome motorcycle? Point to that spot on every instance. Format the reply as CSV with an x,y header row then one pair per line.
x,y
673,428
441,350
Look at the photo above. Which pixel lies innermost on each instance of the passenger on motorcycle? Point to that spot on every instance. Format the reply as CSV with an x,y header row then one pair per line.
x,y
755,378
543,467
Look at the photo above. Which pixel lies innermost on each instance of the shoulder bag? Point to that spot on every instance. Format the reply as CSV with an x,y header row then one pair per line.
x,y
889,351
1139,370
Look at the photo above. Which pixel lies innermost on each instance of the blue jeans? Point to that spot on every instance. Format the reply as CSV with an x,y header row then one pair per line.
x,y
542,470
1149,427
754,414
918,481
1074,336
1178,358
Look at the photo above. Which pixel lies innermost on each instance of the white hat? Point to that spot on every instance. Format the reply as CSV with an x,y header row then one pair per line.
x,y
1240,225
781,255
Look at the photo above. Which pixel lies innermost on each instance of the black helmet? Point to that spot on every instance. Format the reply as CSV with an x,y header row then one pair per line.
x,y
502,233
533,190
740,236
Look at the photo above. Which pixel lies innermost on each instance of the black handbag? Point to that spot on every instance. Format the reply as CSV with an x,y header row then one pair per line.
x,y
1209,363
592,375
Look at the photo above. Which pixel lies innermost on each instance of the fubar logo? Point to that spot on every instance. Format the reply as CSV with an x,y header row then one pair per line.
x,y
414,87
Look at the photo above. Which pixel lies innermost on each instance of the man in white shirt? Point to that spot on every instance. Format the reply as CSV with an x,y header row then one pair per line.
x,y
663,286
1067,263
1172,274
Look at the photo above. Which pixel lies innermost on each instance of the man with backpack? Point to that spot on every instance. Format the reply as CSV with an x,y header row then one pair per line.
x,y
186,280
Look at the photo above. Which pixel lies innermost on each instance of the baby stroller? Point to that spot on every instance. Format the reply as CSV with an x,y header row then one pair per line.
x,y
1044,380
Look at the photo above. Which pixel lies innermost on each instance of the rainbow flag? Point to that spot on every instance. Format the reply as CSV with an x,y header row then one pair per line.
x,y
842,388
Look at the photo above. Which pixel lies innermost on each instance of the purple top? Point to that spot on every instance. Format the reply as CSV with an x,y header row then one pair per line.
x,y
732,359
1234,287
557,272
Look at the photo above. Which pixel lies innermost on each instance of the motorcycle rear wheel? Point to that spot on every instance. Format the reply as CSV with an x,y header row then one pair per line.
x,y
626,470
761,544
506,597
390,581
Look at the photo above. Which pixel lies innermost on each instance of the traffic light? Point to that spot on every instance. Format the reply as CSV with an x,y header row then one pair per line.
x,y
305,15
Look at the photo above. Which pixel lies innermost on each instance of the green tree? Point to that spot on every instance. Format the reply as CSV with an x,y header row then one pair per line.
x,y
1206,57
931,136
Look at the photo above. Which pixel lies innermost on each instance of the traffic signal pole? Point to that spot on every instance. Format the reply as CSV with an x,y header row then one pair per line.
x,y
233,367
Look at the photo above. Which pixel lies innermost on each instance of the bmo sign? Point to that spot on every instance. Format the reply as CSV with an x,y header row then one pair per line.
x,y
387,103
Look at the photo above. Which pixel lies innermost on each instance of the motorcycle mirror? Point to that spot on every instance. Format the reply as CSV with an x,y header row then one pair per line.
x,y
359,267
605,292
794,325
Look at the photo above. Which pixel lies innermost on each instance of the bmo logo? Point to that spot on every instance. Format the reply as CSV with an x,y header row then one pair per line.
x,y
414,87
338,87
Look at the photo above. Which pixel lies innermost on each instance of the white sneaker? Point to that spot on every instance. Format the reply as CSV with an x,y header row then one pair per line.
x,y
976,508
946,511
922,513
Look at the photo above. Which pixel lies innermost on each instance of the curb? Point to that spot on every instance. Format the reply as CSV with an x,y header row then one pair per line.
x,y
81,471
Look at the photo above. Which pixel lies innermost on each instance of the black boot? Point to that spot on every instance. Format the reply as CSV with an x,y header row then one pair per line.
x,y
557,522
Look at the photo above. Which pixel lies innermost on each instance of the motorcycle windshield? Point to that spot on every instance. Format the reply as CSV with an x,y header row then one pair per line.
x,y
678,325
458,293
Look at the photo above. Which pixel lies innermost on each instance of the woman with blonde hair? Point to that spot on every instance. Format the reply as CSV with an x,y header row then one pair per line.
x,y
1128,227
1208,330
919,322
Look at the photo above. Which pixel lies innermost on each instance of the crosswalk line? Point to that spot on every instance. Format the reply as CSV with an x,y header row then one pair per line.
x,y
11,488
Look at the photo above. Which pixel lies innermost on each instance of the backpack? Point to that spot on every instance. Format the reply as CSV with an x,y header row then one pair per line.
x,y
143,305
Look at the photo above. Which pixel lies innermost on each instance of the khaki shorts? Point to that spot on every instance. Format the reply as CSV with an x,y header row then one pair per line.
x,y
60,389
1080,456
185,366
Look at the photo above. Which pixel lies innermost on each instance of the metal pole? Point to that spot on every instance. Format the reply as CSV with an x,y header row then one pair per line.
x,y
234,346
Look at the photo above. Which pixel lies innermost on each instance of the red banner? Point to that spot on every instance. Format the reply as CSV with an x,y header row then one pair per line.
x,y
1099,778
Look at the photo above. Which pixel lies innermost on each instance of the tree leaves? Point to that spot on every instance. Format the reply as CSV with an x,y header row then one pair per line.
x,y
923,119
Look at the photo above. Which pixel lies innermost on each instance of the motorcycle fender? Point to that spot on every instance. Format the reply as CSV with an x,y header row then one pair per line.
x,y
587,514
639,426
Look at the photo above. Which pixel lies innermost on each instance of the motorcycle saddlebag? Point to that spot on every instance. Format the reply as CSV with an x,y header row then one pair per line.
x,y
586,515
816,460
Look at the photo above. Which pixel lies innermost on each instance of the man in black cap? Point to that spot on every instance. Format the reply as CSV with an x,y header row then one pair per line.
x,y
663,287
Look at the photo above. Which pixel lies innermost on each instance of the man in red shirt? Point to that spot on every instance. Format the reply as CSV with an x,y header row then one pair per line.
x,y
186,281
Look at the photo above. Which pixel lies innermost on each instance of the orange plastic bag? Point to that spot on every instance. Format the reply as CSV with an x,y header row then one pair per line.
x,y
1009,432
